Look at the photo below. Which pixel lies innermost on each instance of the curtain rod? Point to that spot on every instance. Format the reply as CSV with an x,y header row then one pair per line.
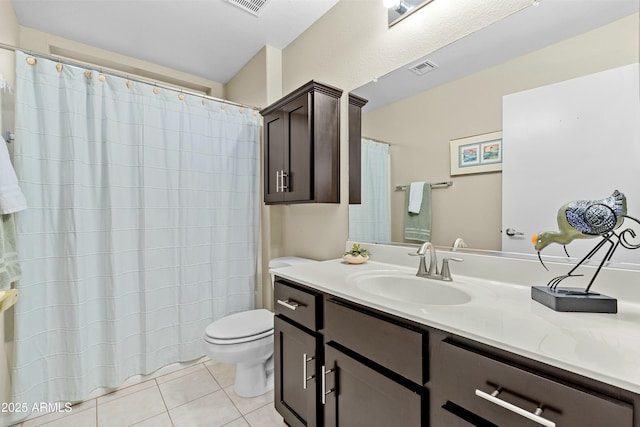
x,y
117,73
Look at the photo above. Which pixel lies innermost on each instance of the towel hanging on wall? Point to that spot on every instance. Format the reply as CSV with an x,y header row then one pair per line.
x,y
415,196
11,197
418,226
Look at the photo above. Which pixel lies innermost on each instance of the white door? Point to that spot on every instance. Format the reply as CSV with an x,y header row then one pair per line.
x,y
574,140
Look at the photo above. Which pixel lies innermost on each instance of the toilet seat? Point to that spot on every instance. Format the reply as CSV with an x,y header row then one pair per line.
x,y
240,327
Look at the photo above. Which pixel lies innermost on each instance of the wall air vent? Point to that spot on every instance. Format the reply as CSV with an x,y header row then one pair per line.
x,y
423,67
254,7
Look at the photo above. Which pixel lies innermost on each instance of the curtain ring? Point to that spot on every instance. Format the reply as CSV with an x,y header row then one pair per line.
x,y
102,77
88,74
181,97
31,60
59,67
156,90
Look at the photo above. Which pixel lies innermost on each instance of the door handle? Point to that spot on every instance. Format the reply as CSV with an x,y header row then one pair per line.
x,y
513,232
277,181
533,416
323,389
306,378
290,304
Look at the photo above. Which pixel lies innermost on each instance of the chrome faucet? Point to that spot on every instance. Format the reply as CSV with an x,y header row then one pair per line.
x,y
432,271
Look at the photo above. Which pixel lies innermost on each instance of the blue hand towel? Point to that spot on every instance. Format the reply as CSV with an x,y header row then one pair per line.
x,y
418,226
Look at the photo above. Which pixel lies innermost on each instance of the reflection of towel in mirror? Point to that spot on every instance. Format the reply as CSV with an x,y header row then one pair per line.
x,y
9,266
415,196
418,226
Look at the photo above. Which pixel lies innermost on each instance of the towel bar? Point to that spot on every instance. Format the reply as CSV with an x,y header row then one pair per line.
x,y
432,184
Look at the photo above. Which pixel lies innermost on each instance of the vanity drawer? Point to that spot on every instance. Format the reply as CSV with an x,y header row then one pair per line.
x,y
394,346
300,305
470,378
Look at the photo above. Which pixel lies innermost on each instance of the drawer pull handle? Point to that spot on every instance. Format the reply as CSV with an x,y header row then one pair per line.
x,y
306,378
323,390
533,416
290,304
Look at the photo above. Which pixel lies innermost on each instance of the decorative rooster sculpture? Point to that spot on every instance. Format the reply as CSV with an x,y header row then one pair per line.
x,y
585,219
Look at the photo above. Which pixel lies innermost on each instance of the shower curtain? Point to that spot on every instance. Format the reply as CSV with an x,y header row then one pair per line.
x,y
142,226
371,220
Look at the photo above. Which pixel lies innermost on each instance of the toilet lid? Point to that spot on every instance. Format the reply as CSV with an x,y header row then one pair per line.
x,y
246,324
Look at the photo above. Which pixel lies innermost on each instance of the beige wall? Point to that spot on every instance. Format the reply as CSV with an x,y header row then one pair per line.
x,y
420,128
9,34
346,48
45,43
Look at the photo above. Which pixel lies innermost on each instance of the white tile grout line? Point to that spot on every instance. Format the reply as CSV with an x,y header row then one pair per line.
x,y
164,402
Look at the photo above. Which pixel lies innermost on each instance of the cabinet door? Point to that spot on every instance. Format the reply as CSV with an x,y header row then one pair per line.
x,y
295,392
274,147
298,150
360,396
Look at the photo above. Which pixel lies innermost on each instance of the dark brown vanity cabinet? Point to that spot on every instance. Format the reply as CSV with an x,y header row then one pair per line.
x,y
297,354
302,146
362,367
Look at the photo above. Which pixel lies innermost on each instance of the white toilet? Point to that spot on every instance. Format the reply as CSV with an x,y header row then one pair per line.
x,y
246,339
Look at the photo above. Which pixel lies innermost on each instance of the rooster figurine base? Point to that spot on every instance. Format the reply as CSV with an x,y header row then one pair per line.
x,y
574,299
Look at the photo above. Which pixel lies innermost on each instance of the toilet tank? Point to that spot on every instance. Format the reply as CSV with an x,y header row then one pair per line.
x,y
286,262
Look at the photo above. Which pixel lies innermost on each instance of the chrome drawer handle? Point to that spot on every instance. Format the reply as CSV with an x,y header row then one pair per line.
x,y
277,181
290,304
283,187
306,378
533,416
323,390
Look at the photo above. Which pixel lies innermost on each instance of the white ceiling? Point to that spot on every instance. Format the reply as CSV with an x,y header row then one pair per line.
x,y
525,31
207,38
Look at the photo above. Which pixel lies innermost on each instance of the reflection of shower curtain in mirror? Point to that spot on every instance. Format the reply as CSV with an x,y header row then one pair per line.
x,y
370,221
142,227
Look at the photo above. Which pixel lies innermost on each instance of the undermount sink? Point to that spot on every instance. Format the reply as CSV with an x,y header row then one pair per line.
x,y
405,287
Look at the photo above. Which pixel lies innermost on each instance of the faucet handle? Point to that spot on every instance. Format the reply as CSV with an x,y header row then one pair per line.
x,y
446,272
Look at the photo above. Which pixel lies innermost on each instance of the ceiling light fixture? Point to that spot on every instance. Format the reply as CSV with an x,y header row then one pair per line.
x,y
400,9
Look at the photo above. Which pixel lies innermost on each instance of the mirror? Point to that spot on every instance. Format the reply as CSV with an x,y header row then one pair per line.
x,y
460,95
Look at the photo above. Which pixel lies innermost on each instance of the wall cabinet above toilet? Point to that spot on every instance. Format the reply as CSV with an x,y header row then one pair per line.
x,y
302,146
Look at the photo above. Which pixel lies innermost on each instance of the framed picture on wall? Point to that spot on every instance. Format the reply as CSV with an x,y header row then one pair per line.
x,y
476,154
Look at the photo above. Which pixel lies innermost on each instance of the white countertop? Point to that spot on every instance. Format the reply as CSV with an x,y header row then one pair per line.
x,y
605,347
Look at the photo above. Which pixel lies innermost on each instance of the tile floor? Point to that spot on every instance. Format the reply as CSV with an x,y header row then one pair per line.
x,y
199,395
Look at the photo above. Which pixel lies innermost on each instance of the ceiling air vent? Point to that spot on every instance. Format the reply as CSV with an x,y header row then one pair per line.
x,y
423,67
254,7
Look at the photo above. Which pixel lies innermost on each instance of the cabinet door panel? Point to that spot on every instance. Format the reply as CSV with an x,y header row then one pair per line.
x,y
274,155
296,404
297,156
364,397
396,347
